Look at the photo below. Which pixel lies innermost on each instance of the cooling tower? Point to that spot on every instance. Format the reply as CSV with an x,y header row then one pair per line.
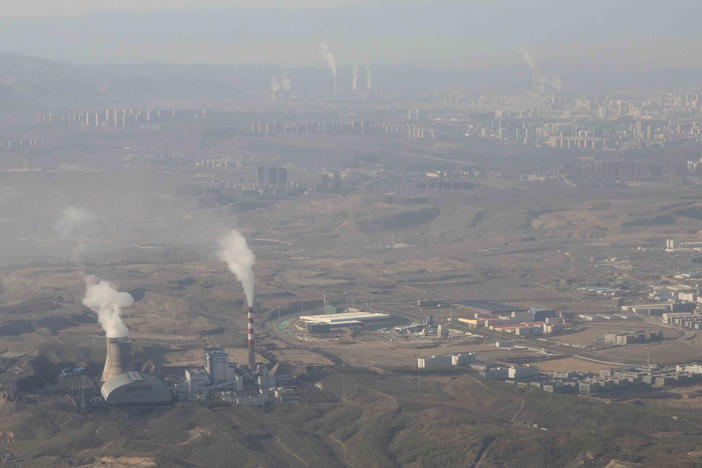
x,y
118,359
252,353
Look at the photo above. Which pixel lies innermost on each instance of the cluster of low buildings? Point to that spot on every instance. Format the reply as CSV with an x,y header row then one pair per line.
x,y
570,382
119,118
629,337
486,370
428,327
508,319
649,376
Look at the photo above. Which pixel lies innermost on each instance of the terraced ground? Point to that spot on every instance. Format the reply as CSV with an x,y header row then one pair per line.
x,y
367,419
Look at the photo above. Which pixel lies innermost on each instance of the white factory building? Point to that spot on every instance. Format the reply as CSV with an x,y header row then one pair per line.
x,y
346,319
446,360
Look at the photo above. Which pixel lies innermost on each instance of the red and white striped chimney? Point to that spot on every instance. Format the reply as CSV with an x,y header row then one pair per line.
x,y
252,354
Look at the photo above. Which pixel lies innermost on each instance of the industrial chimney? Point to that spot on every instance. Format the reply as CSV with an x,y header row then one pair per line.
x,y
118,359
252,353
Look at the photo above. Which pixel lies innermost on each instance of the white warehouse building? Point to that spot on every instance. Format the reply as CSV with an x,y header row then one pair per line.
x,y
344,319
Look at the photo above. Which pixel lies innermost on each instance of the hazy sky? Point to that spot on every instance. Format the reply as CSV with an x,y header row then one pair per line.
x,y
81,7
638,34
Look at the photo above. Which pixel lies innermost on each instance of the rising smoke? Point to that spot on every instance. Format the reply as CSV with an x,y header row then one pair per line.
x,y
329,57
369,78
354,82
234,250
103,299
275,85
285,82
541,78
71,219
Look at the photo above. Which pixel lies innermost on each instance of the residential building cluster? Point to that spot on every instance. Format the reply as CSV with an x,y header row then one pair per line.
x,y
120,118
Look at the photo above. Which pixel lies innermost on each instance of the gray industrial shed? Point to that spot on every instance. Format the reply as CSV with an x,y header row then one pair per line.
x,y
135,388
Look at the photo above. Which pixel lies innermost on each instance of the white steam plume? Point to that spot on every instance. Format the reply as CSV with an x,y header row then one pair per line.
x,y
369,78
553,81
103,299
71,219
329,57
354,82
234,250
530,61
285,82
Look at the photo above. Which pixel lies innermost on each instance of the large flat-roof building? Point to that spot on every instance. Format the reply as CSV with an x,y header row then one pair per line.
x,y
345,319
487,307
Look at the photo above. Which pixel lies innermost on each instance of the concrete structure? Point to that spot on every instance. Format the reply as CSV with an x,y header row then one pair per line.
x,y
653,309
487,308
134,388
346,319
434,361
196,381
629,337
495,373
446,360
674,318
118,359
462,359
522,372
217,365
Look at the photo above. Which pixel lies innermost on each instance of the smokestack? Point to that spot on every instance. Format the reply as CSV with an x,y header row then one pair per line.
x,y
252,353
118,359
354,81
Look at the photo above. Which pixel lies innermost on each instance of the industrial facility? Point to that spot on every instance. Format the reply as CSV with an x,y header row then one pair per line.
x,y
123,385
629,337
219,379
135,388
353,317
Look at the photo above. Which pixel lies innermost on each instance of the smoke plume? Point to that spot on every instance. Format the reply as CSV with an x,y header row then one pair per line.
x,y
285,82
103,299
329,57
234,250
369,78
543,80
71,219
354,83
275,85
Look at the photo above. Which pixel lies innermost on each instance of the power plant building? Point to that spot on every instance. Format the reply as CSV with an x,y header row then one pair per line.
x,y
135,388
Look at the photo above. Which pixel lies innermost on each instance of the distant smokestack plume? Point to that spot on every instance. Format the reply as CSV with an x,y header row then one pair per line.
x,y
285,82
329,57
541,78
354,83
71,219
369,78
530,61
103,299
234,250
